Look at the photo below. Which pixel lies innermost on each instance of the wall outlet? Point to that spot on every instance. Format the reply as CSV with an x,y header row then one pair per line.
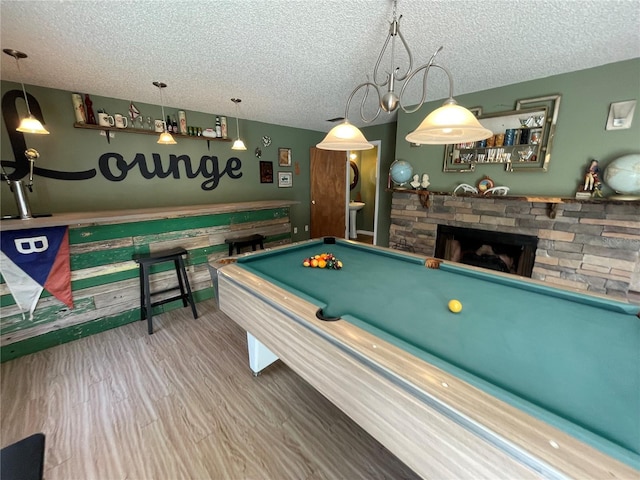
x,y
306,228
295,230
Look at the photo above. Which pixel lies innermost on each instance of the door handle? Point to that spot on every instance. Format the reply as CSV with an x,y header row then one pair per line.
x,y
313,202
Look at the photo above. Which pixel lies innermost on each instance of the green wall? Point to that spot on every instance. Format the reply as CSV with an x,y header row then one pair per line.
x,y
580,136
70,149
580,133
386,134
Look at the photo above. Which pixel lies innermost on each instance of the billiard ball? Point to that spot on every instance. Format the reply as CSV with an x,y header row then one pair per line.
x,y
455,306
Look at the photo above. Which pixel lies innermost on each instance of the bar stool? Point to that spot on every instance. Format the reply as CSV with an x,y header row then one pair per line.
x,y
252,241
146,260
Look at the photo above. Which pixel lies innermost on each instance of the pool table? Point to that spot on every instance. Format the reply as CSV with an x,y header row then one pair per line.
x,y
526,381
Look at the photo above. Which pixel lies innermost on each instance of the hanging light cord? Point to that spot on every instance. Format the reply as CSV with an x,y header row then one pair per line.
x,y
162,105
26,99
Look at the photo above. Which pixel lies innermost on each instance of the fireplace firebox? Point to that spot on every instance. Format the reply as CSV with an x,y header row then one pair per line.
x,y
504,252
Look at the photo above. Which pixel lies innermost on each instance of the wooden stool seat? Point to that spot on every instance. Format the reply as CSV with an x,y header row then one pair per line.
x,y
252,241
146,260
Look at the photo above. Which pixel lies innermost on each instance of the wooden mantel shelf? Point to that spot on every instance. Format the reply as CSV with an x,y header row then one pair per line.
x,y
551,201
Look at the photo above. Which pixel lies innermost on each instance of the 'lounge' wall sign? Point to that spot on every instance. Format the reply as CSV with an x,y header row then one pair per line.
x,y
112,166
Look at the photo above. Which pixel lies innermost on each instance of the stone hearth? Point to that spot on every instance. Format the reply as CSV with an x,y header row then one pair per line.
x,y
590,246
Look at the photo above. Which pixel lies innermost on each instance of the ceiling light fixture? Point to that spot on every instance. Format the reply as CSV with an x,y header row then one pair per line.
x,y
237,144
30,124
448,124
165,137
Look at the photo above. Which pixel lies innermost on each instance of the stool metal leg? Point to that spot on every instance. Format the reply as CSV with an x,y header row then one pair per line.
x,y
142,290
147,299
182,271
179,271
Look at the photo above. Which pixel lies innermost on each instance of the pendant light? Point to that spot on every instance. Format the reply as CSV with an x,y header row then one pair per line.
x,y
238,144
448,124
30,124
165,137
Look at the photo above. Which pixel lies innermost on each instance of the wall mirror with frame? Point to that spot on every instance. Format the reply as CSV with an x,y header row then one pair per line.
x,y
522,138
354,175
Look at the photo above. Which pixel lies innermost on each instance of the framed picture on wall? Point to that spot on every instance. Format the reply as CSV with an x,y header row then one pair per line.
x,y
284,157
266,172
285,179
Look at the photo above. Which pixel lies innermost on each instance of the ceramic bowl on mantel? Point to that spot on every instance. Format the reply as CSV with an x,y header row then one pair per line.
x,y
623,176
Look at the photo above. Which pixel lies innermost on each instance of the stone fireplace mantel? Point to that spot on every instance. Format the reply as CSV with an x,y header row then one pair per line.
x,y
589,246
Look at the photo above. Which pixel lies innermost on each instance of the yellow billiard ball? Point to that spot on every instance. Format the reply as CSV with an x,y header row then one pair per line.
x,y
455,306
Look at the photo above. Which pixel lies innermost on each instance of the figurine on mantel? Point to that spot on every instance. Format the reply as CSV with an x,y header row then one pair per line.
x,y
415,183
425,181
592,187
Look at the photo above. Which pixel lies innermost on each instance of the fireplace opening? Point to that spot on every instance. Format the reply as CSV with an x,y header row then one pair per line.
x,y
503,252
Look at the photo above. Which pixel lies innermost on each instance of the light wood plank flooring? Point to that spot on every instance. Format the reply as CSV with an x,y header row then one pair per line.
x,y
180,403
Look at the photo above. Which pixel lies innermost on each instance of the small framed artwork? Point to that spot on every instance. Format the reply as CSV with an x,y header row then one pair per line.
x,y
266,172
284,157
285,179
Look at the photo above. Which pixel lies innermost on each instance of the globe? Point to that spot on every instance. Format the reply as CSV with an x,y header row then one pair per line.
x,y
401,172
623,176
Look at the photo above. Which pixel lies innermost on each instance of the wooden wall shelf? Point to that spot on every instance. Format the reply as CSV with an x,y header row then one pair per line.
x,y
87,126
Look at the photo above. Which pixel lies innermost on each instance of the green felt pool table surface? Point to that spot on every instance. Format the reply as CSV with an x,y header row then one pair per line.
x,y
541,348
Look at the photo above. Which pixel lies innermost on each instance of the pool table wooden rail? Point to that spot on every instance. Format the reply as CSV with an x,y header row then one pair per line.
x,y
438,431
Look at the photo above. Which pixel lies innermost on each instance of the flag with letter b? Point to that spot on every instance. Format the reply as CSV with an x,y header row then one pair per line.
x,y
35,259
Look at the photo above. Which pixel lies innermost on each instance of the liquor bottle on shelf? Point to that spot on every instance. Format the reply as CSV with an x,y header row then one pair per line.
x,y
218,128
175,125
223,122
167,126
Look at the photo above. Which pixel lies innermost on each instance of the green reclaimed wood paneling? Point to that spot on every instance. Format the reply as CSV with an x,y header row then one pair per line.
x,y
196,256
76,332
51,339
105,257
97,258
103,279
7,300
42,315
277,238
107,232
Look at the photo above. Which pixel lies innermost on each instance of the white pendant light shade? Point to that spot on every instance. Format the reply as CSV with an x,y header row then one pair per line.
x,y
344,137
31,124
238,145
449,124
166,139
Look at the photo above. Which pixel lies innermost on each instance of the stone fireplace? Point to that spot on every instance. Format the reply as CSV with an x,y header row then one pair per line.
x,y
504,252
588,245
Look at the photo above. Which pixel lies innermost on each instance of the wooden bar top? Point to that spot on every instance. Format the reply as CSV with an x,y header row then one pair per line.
x,y
139,214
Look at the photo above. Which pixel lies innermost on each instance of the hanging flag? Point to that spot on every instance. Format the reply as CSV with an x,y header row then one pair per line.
x,y
35,259
133,111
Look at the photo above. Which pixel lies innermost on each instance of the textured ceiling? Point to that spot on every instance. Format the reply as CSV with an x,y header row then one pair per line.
x,y
295,63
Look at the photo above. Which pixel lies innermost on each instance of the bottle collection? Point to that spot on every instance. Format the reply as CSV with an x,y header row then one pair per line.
x,y
174,124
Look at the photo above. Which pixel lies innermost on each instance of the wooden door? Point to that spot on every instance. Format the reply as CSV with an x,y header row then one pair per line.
x,y
328,193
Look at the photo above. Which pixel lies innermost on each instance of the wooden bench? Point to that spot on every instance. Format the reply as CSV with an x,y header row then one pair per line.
x,y
239,243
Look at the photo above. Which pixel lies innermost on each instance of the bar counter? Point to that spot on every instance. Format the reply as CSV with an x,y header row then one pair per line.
x,y
104,278
139,214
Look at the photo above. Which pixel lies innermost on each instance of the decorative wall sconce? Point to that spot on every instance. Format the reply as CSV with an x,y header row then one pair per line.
x,y
621,115
29,124
165,137
237,144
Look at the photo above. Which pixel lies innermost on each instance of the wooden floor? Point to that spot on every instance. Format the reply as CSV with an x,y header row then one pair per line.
x,y
180,403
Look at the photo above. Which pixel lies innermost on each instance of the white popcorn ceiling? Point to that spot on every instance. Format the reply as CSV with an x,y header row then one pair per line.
x,y
294,63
